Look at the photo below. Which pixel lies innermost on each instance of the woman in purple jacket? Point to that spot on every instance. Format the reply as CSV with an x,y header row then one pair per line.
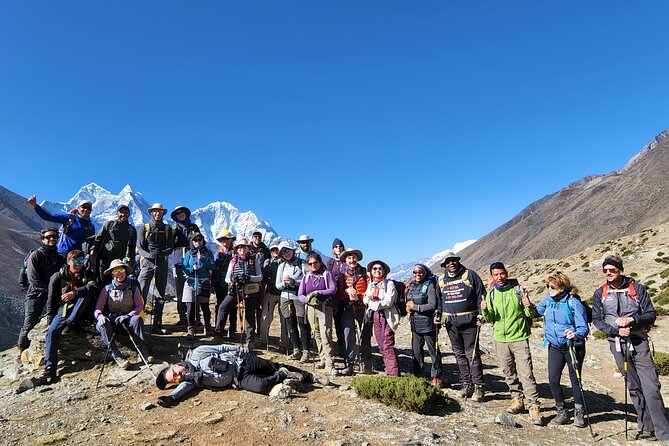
x,y
317,292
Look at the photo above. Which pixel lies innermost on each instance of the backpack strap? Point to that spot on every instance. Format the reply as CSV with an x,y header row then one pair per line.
x,y
66,226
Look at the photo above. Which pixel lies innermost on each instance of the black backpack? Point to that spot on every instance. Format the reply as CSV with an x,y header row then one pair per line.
x,y
23,272
401,302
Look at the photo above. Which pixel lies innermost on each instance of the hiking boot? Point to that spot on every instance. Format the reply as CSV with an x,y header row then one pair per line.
x,y
305,356
320,365
479,394
159,329
208,331
150,359
517,406
467,391
296,355
49,376
190,331
646,435
436,382
286,373
250,345
366,369
17,360
321,379
562,417
120,360
332,371
348,370
535,416
579,421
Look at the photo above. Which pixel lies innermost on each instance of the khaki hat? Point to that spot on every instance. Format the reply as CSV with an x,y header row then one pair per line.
x,y
158,207
385,266
115,264
85,203
173,215
305,238
286,245
225,233
449,255
350,251
242,242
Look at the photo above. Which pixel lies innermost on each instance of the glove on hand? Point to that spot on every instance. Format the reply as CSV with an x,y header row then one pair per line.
x,y
122,319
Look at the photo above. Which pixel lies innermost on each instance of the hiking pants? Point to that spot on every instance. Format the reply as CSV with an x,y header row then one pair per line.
x,y
385,339
515,361
643,384
135,325
351,318
58,324
557,358
320,319
226,309
260,375
179,282
462,340
339,328
418,340
295,315
252,315
268,316
192,310
156,270
33,311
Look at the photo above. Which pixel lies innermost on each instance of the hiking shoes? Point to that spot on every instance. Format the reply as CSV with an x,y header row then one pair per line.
x,y
562,417
321,379
467,391
578,418
646,435
535,416
479,394
305,356
288,374
296,355
332,371
120,360
49,376
320,365
517,406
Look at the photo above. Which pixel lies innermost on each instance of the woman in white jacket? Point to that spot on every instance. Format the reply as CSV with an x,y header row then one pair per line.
x,y
380,298
288,277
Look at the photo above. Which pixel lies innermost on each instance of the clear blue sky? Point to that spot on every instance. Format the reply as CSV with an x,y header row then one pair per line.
x,y
400,127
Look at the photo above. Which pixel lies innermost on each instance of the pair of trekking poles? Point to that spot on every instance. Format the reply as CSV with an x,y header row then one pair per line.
x,y
137,349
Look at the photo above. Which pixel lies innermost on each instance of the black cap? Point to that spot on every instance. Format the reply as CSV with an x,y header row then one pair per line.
x,y
257,233
161,382
123,206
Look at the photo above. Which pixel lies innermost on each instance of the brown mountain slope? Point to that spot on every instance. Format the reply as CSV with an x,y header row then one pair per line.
x,y
584,213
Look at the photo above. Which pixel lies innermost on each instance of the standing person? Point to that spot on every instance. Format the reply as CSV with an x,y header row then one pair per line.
x,y
156,241
183,230
422,304
622,309
120,304
198,264
510,310
305,242
72,292
258,248
355,318
380,298
337,267
288,277
76,225
222,260
243,279
565,328
43,263
269,272
117,239
317,290
462,291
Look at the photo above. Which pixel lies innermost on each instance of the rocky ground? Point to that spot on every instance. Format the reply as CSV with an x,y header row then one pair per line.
x,y
121,410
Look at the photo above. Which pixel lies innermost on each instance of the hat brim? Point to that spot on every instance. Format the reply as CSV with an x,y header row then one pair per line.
x,y
348,252
443,264
161,382
231,237
128,269
164,211
385,266
173,215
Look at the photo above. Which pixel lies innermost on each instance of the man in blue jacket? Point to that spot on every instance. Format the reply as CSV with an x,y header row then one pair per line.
x,y
76,225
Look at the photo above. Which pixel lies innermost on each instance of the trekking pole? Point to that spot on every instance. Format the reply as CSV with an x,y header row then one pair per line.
x,y
240,310
575,365
104,361
625,376
139,352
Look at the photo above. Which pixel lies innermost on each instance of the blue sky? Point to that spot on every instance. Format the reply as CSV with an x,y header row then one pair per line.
x,y
400,127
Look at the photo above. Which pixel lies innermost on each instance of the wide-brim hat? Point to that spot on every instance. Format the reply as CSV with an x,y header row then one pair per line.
x,y
194,235
305,238
158,207
350,251
115,264
449,255
275,246
225,233
286,245
85,203
385,266
173,215
242,242
161,382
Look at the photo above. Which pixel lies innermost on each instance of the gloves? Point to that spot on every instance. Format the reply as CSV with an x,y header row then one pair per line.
x,y
122,319
246,278
166,401
102,319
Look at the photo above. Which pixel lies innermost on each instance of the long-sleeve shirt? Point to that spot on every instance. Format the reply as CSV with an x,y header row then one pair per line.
x,y
324,284
101,305
73,235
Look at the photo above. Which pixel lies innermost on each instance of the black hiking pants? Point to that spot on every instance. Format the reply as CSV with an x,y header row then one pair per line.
x,y
462,340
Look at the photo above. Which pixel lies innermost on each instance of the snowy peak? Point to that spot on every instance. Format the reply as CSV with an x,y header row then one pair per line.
x,y
403,272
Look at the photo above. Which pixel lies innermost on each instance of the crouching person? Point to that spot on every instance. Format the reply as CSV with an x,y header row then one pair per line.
x,y
70,297
119,307
220,366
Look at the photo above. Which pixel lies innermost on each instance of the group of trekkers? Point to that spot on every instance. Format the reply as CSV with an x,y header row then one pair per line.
x,y
79,275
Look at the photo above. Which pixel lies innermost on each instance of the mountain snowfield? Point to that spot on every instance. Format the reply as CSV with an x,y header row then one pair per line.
x,y
211,218
403,272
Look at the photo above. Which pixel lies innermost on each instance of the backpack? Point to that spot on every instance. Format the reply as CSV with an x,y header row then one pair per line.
x,y
588,309
147,230
519,293
401,302
23,272
66,227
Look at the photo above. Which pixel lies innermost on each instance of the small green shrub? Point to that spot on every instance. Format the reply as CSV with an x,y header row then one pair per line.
x,y
599,334
633,274
651,291
407,393
606,249
644,240
661,361
661,311
627,252
566,265
541,289
662,298
664,273
585,264
649,282
660,253
586,270
664,286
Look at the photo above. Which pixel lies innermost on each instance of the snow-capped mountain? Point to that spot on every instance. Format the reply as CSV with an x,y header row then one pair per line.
x,y
403,271
211,218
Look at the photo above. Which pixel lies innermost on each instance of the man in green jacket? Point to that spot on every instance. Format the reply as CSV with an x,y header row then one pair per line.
x,y
510,310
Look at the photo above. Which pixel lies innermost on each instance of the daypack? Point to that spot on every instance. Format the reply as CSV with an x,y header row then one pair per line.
x,y
66,227
519,293
23,272
147,230
588,308
401,302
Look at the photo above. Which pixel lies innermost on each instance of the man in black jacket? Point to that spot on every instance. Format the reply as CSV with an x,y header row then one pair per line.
x,y
183,230
117,239
42,264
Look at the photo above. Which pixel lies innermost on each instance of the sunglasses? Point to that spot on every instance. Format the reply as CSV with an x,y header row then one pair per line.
x,y
551,287
88,208
118,270
419,273
377,268
285,251
50,237
315,262
78,261
198,240
610,270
